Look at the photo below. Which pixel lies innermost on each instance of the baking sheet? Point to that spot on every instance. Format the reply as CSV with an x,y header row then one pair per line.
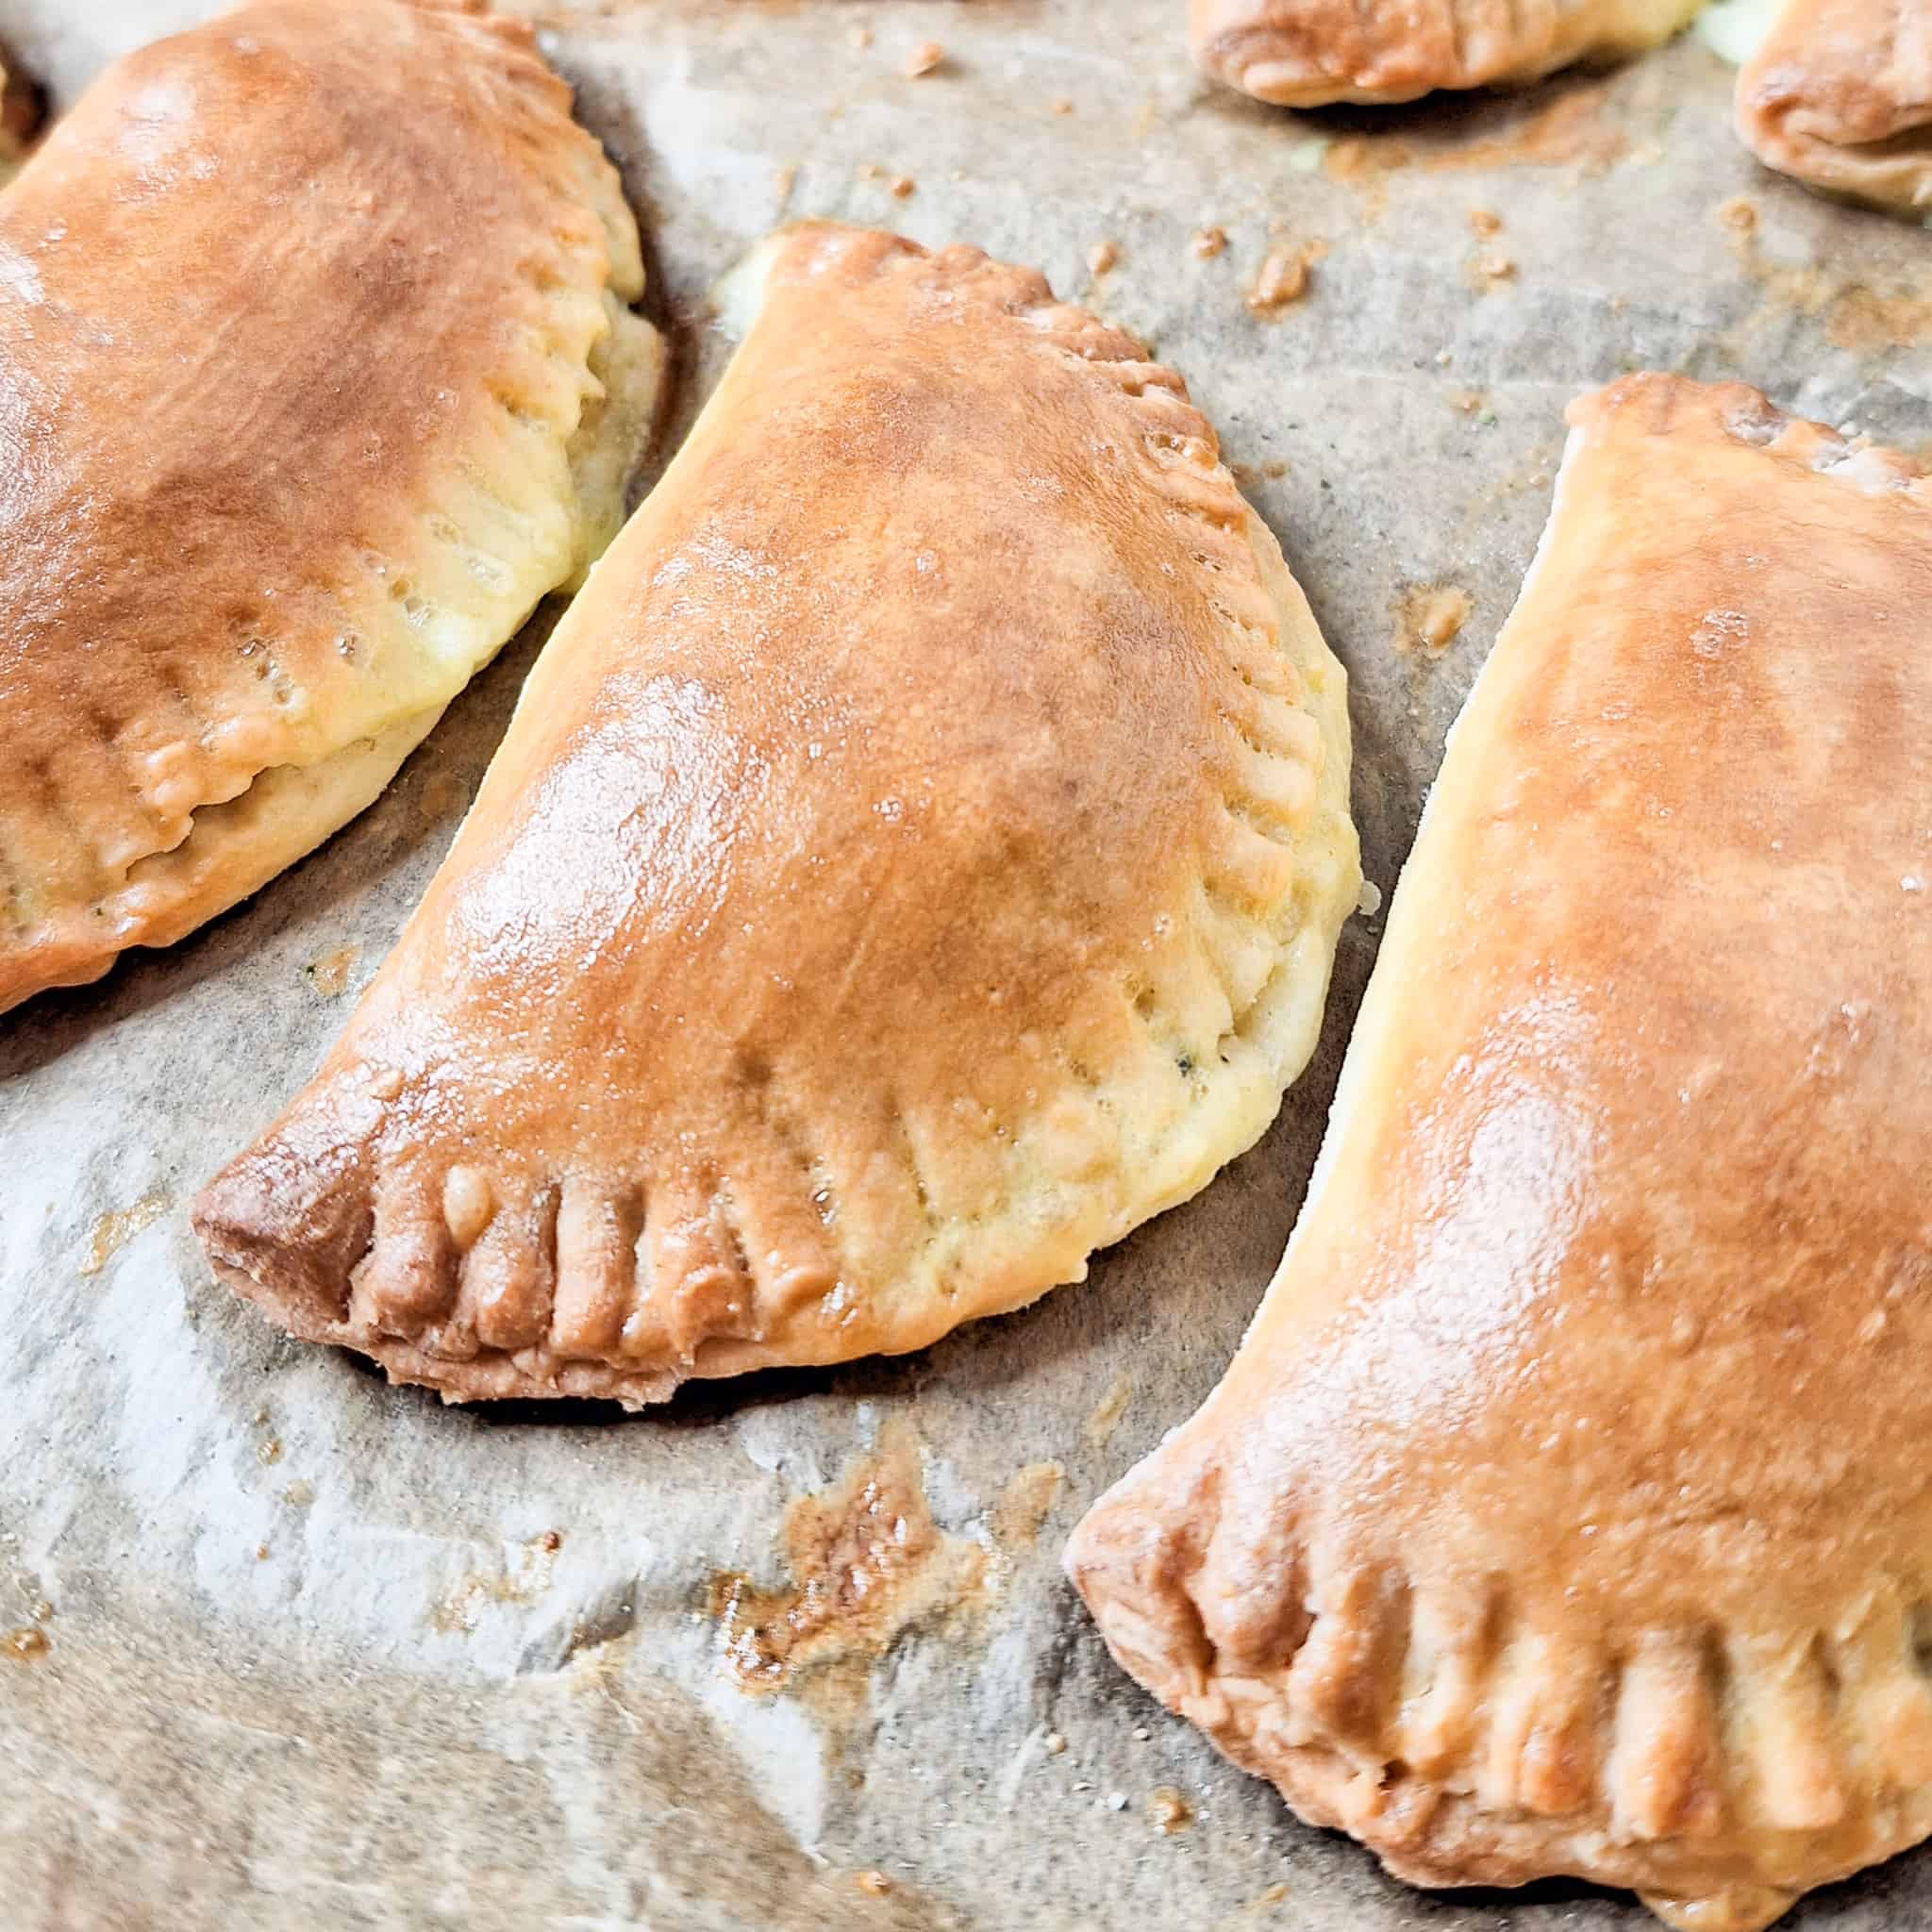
x,y
321,1652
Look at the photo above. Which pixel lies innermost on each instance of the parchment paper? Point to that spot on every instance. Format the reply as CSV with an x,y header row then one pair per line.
x,y
324,1653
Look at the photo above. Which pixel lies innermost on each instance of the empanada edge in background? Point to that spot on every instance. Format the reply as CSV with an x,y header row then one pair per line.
x,y
1563,1510
317,348
916,860
1839,95
1318,53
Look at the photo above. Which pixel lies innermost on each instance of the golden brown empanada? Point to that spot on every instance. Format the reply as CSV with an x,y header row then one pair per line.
x,y
1310,53
316,375
917,858
1565,1510
1839,94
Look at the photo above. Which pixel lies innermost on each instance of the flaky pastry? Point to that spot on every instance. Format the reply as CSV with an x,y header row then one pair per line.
x,y
917,858
1839,94
316,374
1564,1509
1313,53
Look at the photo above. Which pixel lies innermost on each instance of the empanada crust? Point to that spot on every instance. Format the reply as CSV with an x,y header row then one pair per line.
x,y
1840,96
1565,1510
916,858
313,356
1313,53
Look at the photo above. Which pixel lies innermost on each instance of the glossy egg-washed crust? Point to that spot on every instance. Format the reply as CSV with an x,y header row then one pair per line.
x,y
916,860
1310,53
1565,1510
316,374
1840,96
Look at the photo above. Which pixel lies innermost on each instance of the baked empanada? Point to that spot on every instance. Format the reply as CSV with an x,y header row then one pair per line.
x,y
1565,1510
1310,53
316,374
1839,94
916,858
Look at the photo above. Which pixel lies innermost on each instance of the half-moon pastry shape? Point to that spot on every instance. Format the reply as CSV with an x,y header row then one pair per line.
x,y
316,374
916,860
1839,94
1311,53
1565,1508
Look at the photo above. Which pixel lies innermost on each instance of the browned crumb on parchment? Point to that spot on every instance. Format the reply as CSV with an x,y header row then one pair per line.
x,y
867,1563
1102,258
1282,279
1208,242
525,1575
873,1883
329,974
1108,1412
1168,1811
1490,268
26,1644
1429,616
1025,1503
111,1232
926,58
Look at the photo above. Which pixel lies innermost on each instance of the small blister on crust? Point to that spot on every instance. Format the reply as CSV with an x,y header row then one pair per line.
x,y
1839,95
916,860
1313,53
1562,1511
240,586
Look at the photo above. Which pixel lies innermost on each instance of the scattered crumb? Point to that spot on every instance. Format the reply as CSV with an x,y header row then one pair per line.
x,y
860,38
112,1232
329,974
1102,257
1485,222
1467,400
262,1553
873,1883
924,58
1273,1896
1739,213
1060,104
1056,1743
1282,279
1025,1503
1107,1413
300,1493
41,1611
1142,1734
1492,266
903,186
782,181
24,1644
270,1451
1208,242
1116,1801
1167,1811
261,1414
1368,902
1430,615
551,1541
1275,468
